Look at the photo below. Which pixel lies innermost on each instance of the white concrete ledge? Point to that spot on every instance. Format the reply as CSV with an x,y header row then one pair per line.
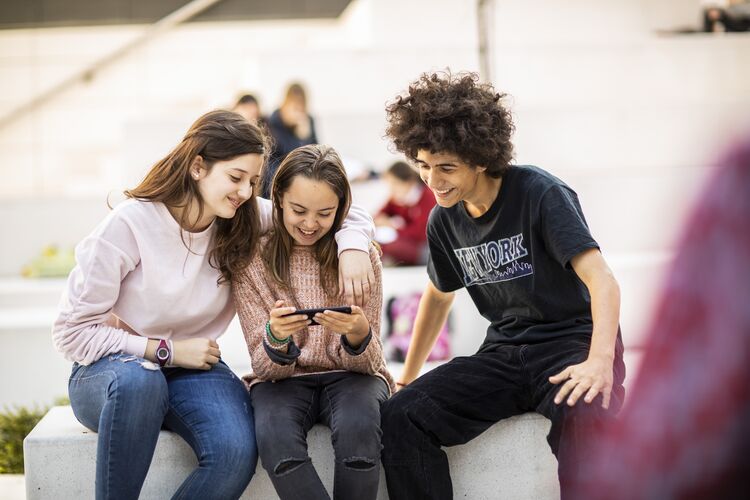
x,y
511,460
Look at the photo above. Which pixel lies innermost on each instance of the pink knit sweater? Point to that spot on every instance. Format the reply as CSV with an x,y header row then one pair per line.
x,y
320,349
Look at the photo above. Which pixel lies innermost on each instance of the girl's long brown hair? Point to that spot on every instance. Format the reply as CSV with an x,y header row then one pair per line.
x,y
319,163
215,136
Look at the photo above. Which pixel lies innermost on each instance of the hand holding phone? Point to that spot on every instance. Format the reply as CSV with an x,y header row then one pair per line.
x,y
354,324
284,322
310,313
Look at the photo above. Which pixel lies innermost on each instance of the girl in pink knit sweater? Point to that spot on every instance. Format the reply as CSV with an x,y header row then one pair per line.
x,y
331,370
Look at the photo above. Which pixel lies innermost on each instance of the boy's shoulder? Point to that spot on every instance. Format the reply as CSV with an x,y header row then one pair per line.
x,y
531,178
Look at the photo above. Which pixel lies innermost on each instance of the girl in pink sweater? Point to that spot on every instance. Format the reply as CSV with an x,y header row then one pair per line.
x,y
149,297
331,371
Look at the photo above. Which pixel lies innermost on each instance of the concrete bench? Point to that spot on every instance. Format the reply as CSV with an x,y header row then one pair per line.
x,y
511,460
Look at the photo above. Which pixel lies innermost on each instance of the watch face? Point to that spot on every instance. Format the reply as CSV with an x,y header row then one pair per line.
x,y
162,353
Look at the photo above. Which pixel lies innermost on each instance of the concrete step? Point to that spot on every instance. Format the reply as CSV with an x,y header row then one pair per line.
x,y
24,292
511,460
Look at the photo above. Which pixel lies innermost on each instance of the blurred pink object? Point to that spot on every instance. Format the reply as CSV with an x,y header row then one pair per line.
x,y
401,312
685,431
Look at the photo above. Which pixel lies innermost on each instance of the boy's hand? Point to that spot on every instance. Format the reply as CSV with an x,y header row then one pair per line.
x,y
592,377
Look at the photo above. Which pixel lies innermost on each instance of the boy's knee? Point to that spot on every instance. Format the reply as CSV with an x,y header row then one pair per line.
x,y
393,414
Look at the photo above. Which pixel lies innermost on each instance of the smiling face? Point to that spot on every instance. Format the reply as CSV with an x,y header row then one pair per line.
x,y
450,178
226,185
309,210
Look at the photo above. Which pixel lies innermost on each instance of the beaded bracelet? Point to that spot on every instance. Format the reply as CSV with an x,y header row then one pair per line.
x,y
272,338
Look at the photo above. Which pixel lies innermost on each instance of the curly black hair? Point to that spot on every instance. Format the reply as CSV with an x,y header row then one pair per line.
x,y
445,113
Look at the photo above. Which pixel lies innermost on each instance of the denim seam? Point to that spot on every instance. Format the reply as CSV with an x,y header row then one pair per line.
x,y
95,375
110,475
308,414
330,405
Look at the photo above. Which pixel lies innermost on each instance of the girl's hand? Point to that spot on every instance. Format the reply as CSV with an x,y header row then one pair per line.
x,y
282,326
355,325
355,276
195,354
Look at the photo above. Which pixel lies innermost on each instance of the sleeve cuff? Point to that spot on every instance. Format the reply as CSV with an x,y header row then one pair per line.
x,y
135,345
579,249
359,350
352,240
282,358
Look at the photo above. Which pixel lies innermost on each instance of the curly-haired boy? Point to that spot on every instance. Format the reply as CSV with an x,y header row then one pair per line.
x,y
515,237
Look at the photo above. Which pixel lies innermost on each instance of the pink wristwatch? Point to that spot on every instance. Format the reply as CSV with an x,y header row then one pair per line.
x,y
163,352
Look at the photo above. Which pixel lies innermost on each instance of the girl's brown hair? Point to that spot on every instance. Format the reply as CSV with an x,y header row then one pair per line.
x,y
319,163
215,136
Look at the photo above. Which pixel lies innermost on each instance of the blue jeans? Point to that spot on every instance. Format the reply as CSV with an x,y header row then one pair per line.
x,y
127,403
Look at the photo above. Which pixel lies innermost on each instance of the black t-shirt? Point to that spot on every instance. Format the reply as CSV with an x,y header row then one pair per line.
x,y
514,260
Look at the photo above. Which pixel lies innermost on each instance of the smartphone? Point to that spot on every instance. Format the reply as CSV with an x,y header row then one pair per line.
x,y
312,312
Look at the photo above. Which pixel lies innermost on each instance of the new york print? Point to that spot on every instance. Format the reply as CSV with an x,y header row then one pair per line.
x,y
494,261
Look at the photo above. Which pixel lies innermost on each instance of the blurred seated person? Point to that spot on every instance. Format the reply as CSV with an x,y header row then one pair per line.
x,y
726,15
248,107
291,127
401,225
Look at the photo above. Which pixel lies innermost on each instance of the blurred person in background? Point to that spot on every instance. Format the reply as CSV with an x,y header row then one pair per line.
x,y
401,225
685,431
248,107
149,297
726,15
291,126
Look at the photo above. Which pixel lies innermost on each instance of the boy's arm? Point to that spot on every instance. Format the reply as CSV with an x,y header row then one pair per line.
x,y
432,313
594,376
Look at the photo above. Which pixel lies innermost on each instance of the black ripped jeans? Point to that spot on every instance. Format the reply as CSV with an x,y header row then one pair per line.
x,y
349,404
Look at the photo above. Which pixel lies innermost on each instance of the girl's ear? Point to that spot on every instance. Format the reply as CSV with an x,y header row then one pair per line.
x,y
197,169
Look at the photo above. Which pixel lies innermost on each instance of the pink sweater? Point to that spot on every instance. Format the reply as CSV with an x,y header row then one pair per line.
x,y
134,274
315,349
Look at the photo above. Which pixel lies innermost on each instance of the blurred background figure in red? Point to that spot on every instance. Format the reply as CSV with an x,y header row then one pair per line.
x,y
685,431
401,225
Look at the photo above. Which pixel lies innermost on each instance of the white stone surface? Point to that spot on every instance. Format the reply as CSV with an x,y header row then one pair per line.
x,y
511,460
40,373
